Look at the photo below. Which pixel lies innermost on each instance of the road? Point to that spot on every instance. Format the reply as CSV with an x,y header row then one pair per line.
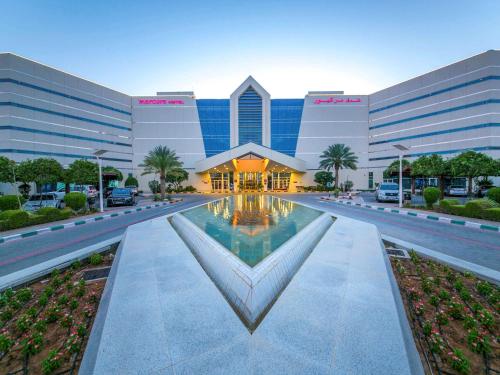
x,y
476,246
19,254
473,245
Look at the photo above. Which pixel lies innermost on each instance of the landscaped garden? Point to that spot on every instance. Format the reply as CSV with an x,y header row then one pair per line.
x,y
45,325
453,315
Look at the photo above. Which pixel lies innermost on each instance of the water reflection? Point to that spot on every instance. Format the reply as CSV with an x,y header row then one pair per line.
x,y
251,226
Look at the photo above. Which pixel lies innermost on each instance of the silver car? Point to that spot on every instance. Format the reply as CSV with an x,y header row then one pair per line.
x,y
387,192
37,201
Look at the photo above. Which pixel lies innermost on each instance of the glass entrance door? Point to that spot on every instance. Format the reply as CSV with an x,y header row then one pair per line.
x,y
279,181
221,182
250,181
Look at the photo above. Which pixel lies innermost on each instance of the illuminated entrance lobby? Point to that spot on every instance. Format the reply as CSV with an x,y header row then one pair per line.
x,y
251,245
251,167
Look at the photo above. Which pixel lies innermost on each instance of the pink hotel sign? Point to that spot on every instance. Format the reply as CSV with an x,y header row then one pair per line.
x,y
160,101
331,100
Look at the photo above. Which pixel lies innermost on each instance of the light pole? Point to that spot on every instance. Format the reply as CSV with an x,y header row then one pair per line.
x,y
401,149
98,155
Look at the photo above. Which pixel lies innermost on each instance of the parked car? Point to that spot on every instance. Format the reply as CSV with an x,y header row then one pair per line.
x,y
37,201
457,191
134,189
121,197
89,190
387,192
483,190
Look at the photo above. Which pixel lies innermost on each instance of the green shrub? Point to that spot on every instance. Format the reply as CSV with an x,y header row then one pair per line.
x,y
492,214
96,259
13,219
444,204
431,196
475,208
494,194
10,202
458,209
76,201
131,181
190,189
51,213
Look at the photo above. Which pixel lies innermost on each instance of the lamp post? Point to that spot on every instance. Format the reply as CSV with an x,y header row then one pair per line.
x,y
98,155
401,149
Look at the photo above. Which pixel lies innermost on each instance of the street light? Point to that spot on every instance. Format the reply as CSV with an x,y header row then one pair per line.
x,y
98,155
401,149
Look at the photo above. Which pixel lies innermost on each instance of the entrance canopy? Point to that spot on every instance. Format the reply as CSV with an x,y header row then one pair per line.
x,y
251,157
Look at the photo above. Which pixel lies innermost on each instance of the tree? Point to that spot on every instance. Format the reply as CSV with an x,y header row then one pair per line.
x,y
82,172
25,172
131,181
323,178
432,166
112,170
47,171
7,173
338,156
7,167
473,164
393,170
161,160
176,176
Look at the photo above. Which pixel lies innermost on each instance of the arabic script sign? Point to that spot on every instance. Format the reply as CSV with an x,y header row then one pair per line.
x,y
160,101
337,100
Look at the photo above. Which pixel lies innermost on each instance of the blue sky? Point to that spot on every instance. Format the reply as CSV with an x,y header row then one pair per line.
x,y
210,47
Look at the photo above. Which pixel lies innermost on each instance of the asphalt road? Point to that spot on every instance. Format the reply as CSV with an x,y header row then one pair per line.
x,y
19,254
477,246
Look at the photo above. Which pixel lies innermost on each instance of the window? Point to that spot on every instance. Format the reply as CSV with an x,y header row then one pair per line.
x,y
250,117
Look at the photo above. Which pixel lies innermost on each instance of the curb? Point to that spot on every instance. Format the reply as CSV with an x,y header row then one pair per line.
x,y
83,221
34,272
486,273
420,215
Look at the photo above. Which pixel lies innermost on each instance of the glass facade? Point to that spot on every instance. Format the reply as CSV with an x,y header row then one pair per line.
x,y
286,115
214,122
250,117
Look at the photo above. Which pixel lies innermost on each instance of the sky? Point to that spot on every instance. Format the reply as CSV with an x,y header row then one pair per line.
x,y
210,47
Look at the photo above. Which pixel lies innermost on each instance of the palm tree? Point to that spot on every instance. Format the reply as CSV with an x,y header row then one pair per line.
x,y
338,156
161,160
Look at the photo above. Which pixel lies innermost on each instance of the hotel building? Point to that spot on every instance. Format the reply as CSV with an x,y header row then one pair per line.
x,y
250,139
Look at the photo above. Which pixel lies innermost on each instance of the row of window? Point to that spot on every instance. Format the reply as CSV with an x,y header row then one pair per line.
x,y
416,155
62,135
214,123
65,115
286,115
438,132
250,117
434,93
58,93
60,154
453,109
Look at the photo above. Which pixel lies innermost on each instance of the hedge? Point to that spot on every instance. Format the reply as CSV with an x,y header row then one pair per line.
x,y
458,209
494,194
492,214
13,219
76,201
10,202
431,196
475,208
445,204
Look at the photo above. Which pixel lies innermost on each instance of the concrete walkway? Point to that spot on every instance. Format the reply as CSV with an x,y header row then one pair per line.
x,y
340,314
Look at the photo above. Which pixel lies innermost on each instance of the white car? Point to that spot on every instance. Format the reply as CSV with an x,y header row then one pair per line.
x,y
458,191
387,192
37,201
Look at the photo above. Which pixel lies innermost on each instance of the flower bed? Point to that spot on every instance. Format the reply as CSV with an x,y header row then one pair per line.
x,y
44,327
453,315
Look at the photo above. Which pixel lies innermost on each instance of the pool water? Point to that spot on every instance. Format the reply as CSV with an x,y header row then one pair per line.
x,y
251,226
